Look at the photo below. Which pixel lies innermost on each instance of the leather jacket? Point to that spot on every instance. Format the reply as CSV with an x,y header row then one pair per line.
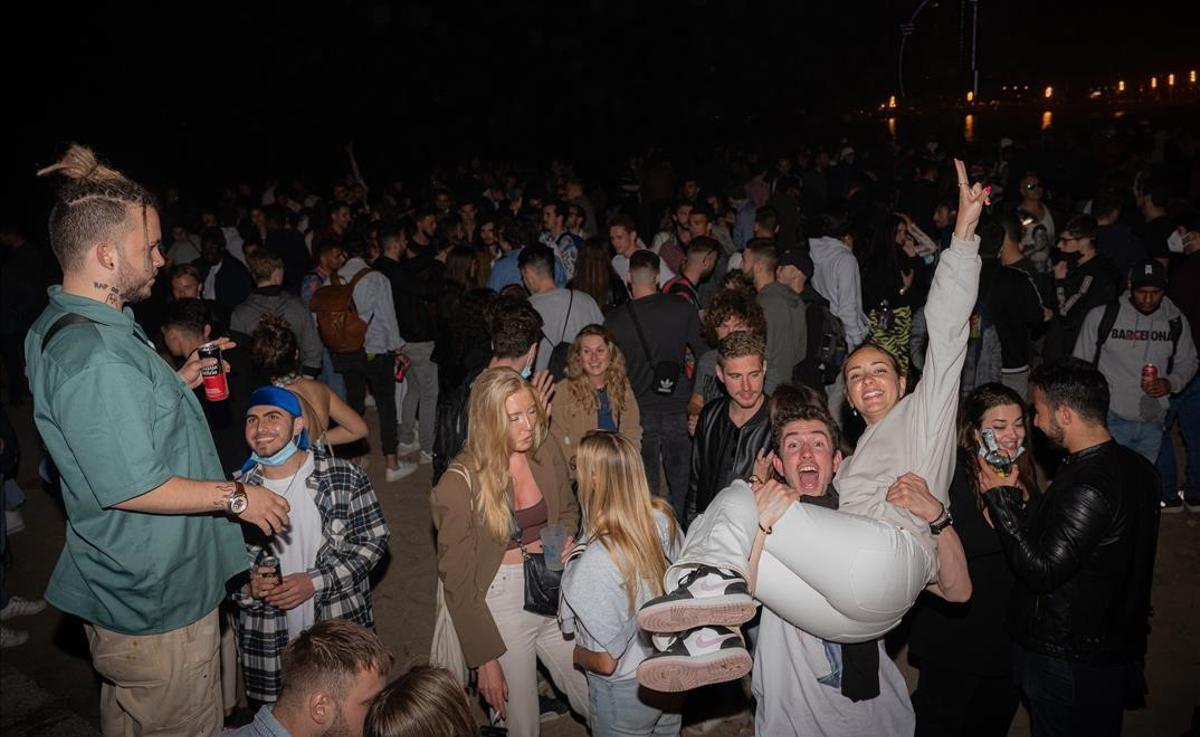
x,y
722,452
1083,555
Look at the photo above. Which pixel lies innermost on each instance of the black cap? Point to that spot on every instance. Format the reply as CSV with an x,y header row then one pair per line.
x,y
1149,273
798,258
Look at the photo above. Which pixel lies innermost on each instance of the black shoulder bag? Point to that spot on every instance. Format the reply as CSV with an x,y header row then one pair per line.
x,y
542,585
666,373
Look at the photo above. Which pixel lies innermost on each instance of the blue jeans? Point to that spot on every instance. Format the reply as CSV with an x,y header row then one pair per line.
x,y
331,378
1143,437
624,709
1068,698
1186,407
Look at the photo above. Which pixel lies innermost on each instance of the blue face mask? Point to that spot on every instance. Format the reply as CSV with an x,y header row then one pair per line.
x,y
278,458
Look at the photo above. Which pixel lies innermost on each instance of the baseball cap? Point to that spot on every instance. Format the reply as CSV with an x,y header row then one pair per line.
x,y
799,259
1149,273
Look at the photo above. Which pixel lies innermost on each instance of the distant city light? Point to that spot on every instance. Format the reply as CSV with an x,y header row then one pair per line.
x,y
970,96
892,102
1171,80
1192,76
1121,86
1049,93
1154,83
1094,94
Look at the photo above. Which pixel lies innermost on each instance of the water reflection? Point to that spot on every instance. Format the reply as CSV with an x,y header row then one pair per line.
x,y
969,128
1047,120
891,123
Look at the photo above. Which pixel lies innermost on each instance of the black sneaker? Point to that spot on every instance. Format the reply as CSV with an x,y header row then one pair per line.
x,y
551,708
1172,506
1192,503
704,596
697,658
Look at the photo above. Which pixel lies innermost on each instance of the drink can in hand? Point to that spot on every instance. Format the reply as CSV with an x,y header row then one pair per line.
x,y
270,561
1149,373
216,386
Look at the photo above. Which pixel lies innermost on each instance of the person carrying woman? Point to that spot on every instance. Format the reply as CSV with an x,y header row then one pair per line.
x,y
962,651
489,509
596,394
628,538
849,575
275,353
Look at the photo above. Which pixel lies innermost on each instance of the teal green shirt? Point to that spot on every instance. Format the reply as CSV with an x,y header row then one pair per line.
x,y
119,422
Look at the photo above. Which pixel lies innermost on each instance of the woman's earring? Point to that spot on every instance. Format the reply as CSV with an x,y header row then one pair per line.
x,y
853,410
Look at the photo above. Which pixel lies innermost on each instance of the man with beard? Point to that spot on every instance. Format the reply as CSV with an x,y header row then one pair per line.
x,y
1083,556
333,673
321,573
150,545
734,430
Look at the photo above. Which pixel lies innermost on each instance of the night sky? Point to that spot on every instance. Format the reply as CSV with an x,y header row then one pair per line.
x,y
197,90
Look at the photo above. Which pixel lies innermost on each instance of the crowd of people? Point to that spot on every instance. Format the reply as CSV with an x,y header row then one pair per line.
x,y
681,431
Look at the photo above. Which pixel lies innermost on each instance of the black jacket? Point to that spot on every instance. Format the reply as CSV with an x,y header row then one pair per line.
x,y
1093,284
233,283
722,452
416,284
1015,308
1083,556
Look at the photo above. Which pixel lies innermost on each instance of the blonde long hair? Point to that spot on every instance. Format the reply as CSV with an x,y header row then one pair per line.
x,y
487,450
616,380
619,511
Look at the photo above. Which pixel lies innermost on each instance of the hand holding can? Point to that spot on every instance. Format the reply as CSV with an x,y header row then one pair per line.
x,y
212,372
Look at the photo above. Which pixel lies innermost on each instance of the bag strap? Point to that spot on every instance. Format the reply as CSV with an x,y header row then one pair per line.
x,y
1106,323
361,273
637,325
1176,331
570,304
66,320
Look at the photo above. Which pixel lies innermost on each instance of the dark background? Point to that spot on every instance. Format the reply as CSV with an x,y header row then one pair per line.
x,y
204,93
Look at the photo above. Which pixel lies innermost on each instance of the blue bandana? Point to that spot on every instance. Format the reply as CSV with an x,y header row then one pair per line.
x,y
273,396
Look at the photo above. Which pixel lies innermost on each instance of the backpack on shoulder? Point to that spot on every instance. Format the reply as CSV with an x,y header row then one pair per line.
x,y
338,323
827,347
1109,318
558,355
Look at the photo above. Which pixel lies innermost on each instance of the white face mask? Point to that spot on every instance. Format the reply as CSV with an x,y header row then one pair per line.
x,y
1175,242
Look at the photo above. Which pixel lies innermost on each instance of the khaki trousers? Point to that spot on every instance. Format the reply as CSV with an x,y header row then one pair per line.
x,y
166,685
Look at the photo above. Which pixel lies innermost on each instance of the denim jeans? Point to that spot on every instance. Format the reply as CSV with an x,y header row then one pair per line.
x,y
665,437
1068,698
624,709
1142,437
331,378
1185,406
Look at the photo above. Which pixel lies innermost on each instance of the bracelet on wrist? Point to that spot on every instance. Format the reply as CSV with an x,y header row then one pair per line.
x,y
765,530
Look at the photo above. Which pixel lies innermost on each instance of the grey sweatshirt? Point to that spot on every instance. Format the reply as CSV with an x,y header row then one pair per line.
x,y
245,319
787,333
918,434
1134,341
837,278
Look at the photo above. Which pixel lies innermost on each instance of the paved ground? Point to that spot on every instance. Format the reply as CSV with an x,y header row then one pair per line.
x,y
47,686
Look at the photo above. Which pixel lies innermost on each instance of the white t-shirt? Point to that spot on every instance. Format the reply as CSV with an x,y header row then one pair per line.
x,y
620,264
797,686
297,546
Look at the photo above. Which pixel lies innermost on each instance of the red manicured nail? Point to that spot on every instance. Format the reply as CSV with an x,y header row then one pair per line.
x,y
987,190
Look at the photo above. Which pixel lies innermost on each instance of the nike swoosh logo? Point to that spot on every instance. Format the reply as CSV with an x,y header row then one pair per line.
x,y
706,642
709,586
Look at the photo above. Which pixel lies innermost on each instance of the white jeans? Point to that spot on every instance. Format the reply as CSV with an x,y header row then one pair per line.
x,y
839,576
528,638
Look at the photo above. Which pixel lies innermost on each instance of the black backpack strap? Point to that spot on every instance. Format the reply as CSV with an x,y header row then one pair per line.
x,y
66,320
567,319
637,325
1176,331
1107,320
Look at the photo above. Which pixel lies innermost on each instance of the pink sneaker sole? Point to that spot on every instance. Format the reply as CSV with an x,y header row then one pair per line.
x,y
682,615
675,673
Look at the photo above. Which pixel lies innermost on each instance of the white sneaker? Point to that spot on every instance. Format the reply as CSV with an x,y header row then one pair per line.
x,y
697,658
12,638
426,458
19,607
402,469
406,448
13,522
705,596
369,401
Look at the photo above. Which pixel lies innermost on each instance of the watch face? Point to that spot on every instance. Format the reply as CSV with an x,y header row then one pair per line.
x,y
238,503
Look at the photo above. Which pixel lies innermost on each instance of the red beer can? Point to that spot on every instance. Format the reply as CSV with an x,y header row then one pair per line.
x,y
216,386
1149,373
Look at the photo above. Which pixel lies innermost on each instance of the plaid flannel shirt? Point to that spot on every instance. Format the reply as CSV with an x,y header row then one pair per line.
x,y
355,538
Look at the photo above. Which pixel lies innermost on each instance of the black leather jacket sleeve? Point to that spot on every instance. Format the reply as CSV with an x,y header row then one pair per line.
x,y
690,501
1075,522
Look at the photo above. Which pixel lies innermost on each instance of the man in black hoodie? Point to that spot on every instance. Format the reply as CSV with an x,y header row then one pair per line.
x,y
1082,280
1011,300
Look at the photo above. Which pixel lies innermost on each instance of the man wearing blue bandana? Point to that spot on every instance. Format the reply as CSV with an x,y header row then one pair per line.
x,y
337,535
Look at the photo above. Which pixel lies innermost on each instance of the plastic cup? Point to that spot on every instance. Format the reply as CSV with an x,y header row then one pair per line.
x,y
554,537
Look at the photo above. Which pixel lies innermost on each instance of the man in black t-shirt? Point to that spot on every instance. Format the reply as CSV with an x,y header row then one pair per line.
x,y
653,331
